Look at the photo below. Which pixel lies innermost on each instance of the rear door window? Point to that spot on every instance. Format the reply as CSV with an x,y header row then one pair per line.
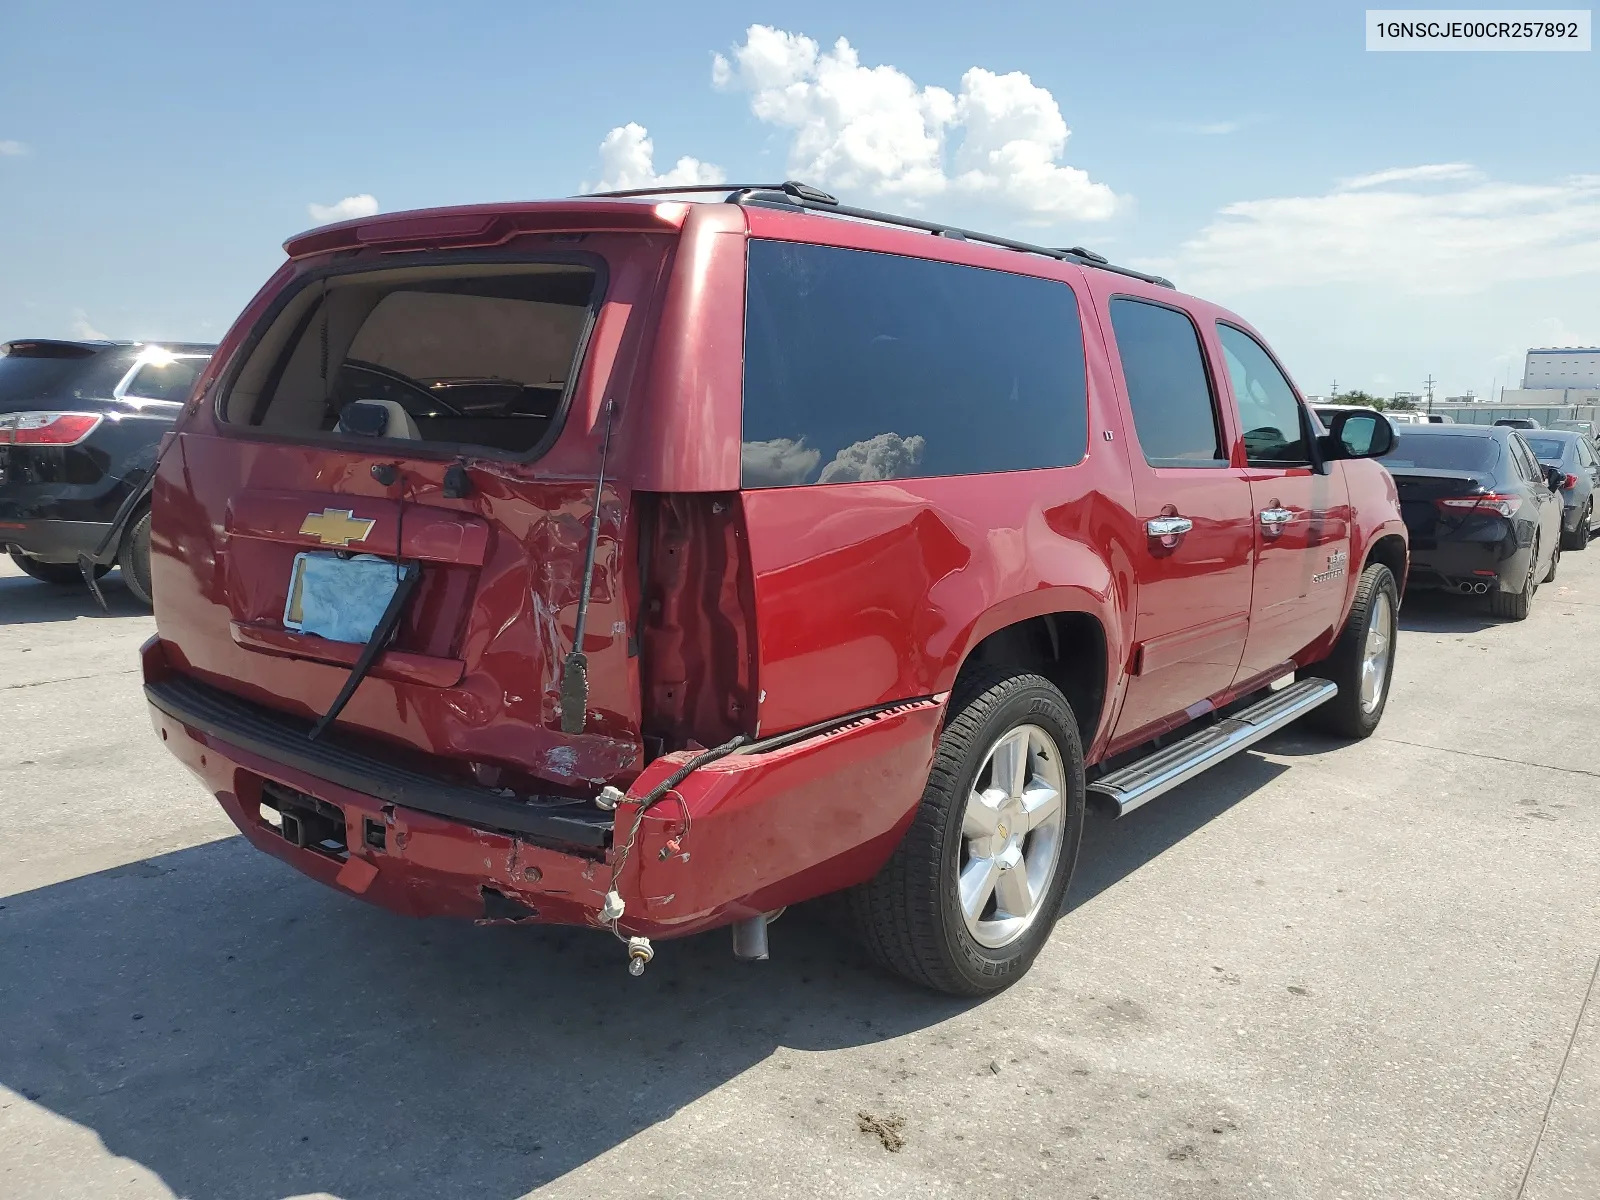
x,y
1269,412
862,366
1174,412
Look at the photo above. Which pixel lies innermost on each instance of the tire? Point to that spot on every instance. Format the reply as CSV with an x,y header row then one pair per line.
x,y
134,558
1355,712
1514,606
1555,564
1578,539
909,916
48,572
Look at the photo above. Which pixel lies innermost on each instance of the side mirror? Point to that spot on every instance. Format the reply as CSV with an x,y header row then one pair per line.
x,y
1556,477
1359,435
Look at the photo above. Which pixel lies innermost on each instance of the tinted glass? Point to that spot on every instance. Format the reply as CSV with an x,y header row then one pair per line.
x,y
1269,413
1168,388
1585,455
29,376
165,380
1443,452
1526,463
1548,449
873,366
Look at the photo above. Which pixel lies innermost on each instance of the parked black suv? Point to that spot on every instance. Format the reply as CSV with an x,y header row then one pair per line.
x,y
79,427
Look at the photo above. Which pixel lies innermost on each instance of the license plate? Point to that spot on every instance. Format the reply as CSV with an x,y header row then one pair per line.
x,y
341,599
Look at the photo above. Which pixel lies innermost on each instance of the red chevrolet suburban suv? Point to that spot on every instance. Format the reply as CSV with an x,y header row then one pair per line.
x,y
654,562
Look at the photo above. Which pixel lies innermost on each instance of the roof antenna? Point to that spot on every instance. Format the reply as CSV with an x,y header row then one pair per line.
x,y
575,672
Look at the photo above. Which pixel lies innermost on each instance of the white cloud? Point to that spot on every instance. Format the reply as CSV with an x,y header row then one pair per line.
x,y
1219,128
778,463
83,330
1371,230
873,129
882,456
10,149
364,205
627,160
1427,173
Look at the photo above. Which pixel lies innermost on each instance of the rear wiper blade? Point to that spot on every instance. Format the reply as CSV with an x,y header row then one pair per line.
x,y
410,573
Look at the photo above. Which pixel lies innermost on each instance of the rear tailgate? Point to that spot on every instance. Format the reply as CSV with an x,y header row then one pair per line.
x,y
471,684
1420,490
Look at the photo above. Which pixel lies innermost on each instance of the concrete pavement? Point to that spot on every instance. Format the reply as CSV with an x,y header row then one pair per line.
x,y
1321,970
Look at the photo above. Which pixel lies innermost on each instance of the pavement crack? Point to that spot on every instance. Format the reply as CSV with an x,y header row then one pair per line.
x,y
1527,1171
1516,762
13,687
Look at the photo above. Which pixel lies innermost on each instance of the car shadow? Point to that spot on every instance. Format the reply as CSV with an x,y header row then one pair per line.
x,y
25,601
243,1032
1440,612
1115,847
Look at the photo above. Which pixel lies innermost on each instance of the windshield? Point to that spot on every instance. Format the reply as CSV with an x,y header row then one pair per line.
x,y
30,374
165,379
1443,451
1548,449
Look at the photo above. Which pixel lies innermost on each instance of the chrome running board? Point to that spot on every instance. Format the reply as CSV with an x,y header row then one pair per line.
x,y
1180,762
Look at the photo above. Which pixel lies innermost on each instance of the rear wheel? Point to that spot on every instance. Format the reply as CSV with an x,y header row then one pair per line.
x,y
1362,662
1555,562
134,558
1514,606
1578,539
49,572
971,893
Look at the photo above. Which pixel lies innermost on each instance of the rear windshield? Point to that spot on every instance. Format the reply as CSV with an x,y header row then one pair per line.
x,y
862,366
1548,449
170,380
32,373
481,356
1443,451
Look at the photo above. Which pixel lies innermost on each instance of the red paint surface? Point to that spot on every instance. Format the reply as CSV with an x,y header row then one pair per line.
x,y
749,613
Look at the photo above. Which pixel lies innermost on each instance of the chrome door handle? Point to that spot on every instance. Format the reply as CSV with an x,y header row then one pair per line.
x,y
1163,527
1271,517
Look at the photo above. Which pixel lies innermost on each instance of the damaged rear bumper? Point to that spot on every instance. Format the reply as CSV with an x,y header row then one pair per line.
x,y
779,823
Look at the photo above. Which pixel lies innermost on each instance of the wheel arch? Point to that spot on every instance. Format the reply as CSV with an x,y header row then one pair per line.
x,y
1069,647
1392,550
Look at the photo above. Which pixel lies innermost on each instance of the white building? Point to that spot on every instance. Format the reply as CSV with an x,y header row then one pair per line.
x,y
1576,367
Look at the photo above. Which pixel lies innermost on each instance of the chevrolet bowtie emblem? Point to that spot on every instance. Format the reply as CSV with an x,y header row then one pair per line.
x,y
336,527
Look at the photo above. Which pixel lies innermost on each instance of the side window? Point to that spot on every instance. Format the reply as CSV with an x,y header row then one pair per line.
x,y
1274,429
862,366
1168,389
1585,456
1526,463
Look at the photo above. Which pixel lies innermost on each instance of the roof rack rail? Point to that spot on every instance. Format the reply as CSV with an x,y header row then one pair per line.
x,y
792,193
789,187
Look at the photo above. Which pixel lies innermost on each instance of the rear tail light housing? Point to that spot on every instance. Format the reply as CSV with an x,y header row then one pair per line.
x,y
1568,482
1503,504
47,428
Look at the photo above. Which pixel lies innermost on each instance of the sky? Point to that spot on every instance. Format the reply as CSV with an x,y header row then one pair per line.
x,y
1381,217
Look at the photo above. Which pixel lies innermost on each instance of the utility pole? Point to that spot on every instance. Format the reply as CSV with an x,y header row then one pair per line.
x,y
1333,396
1428,383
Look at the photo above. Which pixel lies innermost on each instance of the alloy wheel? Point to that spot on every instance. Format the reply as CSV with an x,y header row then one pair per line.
x,y
1011,835
1375,651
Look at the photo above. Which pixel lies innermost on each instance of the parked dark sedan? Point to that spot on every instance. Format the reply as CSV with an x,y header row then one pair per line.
x,y
1483,514
1572,454
79,426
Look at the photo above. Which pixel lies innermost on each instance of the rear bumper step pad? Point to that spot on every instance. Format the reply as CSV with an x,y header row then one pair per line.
x,y
281,738
1180,762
